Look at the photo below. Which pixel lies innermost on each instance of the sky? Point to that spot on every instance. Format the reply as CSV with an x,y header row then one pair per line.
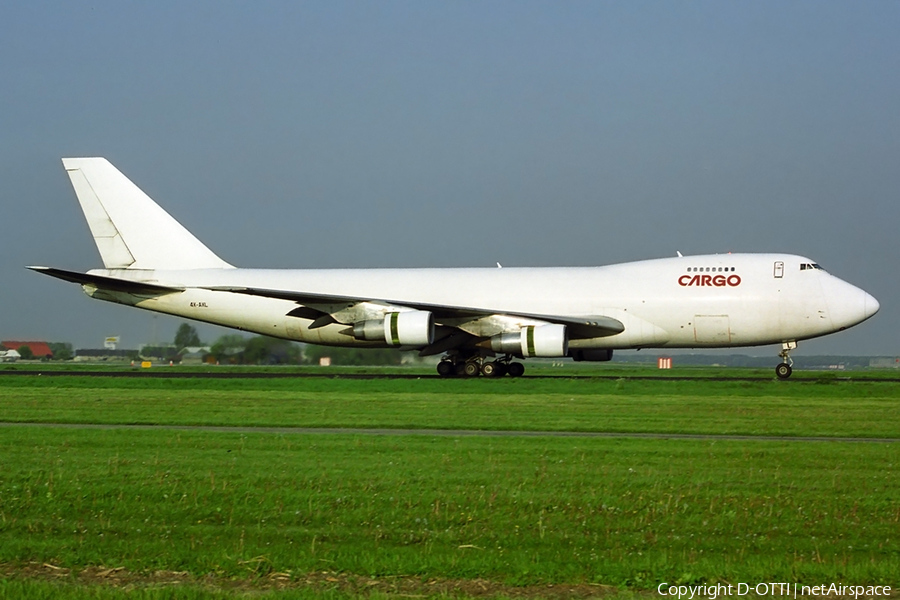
x,y
433,134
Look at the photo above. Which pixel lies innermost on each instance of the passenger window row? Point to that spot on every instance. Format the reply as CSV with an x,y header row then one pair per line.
x,y
710,269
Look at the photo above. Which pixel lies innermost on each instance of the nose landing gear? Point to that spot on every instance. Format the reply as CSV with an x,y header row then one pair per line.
x,y
784,370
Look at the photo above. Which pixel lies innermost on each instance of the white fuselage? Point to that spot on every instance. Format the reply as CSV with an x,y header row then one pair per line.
x,y
694,301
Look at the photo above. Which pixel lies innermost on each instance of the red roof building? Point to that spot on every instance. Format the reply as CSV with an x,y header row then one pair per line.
x,y
38,349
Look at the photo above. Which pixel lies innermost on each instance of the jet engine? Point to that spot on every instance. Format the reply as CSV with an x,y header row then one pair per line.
x,y
410,328
533,340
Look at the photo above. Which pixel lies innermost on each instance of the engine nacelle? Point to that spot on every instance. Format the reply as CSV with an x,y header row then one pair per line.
x,y
410,328
591,354
548,341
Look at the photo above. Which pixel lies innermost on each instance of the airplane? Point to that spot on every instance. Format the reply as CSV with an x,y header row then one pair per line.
x,y
479,319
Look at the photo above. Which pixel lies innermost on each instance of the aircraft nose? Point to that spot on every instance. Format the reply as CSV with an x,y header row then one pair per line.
x,y
849,304
870,305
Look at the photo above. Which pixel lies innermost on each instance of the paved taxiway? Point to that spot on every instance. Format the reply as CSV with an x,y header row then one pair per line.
x,y
456,432
161,373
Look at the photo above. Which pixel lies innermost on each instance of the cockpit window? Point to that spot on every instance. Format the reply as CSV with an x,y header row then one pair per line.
x,y
810,266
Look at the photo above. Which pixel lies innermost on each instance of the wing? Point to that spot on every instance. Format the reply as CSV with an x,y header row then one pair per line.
x,y
578,327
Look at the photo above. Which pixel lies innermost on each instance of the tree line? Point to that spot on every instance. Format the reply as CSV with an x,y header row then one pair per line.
x,y
233,348
236,349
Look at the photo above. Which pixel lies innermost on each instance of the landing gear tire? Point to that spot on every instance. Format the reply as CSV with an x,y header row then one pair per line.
x,y
492,369
472,369
516,369
446,368
783,371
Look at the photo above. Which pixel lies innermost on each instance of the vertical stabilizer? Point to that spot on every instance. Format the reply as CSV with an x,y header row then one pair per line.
x,y
132,231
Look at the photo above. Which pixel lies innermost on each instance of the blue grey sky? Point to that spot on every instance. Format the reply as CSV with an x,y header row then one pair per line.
x,y
394,134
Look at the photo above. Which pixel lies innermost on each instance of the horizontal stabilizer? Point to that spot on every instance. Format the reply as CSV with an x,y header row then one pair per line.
x,y
108,283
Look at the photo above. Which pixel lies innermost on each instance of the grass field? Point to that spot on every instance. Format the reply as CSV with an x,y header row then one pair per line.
x,y
813,407
443,515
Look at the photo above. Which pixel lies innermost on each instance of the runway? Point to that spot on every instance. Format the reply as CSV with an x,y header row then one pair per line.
x,y
454,432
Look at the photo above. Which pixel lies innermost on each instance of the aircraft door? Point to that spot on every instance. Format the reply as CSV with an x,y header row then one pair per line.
x,y
713,330
779,269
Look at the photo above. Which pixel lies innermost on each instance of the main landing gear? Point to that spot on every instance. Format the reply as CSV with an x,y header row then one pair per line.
x,y
475,365
784,370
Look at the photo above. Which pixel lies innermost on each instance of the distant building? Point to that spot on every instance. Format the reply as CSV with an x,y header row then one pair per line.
x,y
885,363
103,354
193,355
38,349
9,356
158,353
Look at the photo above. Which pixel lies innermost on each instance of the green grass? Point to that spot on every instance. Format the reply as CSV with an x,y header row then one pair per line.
x,y
620,512
514,511
44,590
822,407
53,590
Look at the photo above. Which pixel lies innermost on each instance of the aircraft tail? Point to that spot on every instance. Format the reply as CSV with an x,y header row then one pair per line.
x,y
132,231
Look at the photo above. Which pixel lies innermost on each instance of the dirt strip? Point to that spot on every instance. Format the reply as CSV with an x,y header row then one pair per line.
x,y
407,587
266,580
